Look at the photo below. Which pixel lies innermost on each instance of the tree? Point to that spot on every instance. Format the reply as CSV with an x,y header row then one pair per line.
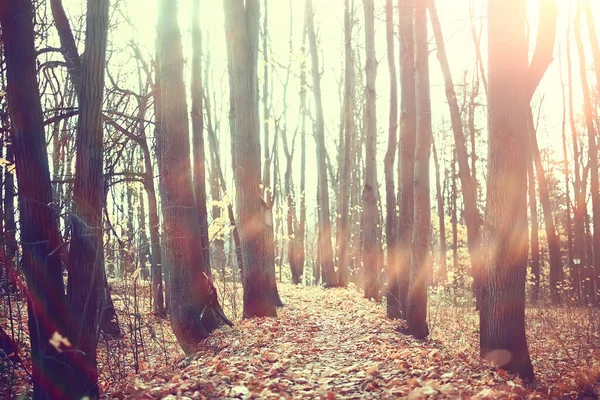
x,y
502,313
371,218
253,213
467,178
39,228
388,168
441,213
588,279
406,158
416,315
193,307
197,115
86,258
329,278
345,147
534,239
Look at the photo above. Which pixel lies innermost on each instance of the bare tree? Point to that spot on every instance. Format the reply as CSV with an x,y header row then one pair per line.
x,y
329,278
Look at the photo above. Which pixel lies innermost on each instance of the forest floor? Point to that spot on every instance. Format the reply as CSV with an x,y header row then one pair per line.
x,y
334,344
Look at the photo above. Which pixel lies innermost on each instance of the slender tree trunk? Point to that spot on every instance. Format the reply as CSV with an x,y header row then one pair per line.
x,y
553,241
371,220
534,238
301,235
39,233
406,150
393,305
458,277
329,278
502,313
441,216
568,224
197,115
348,129
590,267
467,180
193,306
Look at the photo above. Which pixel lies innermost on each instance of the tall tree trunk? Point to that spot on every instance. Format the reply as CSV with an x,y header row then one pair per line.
x,y
553,241
467,180
108,322
502,313
534,238
86,258
393,305
589,18
371,218
441,216
329,278
348,128
406,151
197,115
253,213
193,307
578,186
458,277
420,260
39,228
301,235
589,267
568,224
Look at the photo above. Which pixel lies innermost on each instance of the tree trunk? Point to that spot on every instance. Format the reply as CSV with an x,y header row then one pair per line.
x,y
420,260
441,217
502,313
393,307
534,238
589,268
348,128
301,235
39,228
406,152
192,299
108,322
253,214
467,180
329,278
197,115
371,219
553,242
86,258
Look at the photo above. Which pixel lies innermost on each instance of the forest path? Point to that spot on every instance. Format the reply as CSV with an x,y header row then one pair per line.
x,y
326,343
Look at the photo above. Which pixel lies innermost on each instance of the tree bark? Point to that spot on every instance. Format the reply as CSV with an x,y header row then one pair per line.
x,y
406,152
329,278
371,219
393,308
420,260
253,214
197,115
86,258
192,299
40,235
502,313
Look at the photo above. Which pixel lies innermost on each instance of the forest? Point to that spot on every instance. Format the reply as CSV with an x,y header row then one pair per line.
x,y
332,199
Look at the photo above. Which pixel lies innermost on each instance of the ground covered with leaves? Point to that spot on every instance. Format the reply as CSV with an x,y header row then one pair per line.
x,y
331,343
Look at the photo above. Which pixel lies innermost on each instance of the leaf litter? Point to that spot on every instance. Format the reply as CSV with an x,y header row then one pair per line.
x,y
330,344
